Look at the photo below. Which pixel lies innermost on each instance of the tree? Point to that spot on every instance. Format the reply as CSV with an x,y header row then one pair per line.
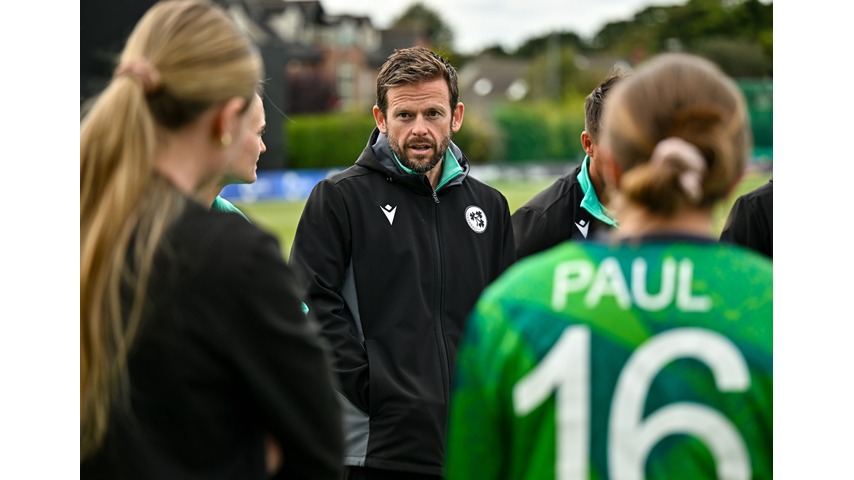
x,y
418,16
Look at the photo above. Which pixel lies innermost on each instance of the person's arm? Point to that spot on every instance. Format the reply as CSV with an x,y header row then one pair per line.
x,y
321,256
285,366
529,231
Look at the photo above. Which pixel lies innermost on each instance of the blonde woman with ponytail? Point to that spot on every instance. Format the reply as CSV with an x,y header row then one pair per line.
x,y
193,345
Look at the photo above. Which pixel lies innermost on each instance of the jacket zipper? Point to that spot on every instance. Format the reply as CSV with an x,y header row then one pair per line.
x,y
439,322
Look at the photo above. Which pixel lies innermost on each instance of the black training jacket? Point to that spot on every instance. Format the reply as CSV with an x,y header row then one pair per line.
x,y
553,216
393,270
750,221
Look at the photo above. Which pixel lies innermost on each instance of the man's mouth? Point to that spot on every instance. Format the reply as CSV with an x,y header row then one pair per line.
x,y
420,148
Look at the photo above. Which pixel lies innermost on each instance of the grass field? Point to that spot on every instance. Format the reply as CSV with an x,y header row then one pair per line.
x,y
280,218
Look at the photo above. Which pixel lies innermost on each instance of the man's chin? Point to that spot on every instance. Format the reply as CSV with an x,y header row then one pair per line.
x,y
421,165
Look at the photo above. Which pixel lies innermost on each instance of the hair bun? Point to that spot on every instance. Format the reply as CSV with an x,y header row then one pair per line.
x,y
676,151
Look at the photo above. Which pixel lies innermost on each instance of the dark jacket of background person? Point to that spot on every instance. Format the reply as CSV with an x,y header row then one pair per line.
x,y
393,271
750,222
223,349
554,215
571,208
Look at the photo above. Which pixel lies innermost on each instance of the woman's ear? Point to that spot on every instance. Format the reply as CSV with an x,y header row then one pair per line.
x,y
228,126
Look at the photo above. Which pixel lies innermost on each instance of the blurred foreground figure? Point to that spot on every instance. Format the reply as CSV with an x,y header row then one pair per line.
x,y
649,356
193,347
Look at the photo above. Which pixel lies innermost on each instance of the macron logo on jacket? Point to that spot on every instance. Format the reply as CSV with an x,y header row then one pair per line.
x,y
583,226
389,211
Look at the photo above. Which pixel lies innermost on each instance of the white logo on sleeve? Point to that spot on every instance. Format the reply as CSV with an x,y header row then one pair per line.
x,y
389,211
583,226
476,219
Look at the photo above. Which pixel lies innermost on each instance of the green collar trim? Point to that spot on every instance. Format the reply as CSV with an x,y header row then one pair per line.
x,y
590,202
450,168
222,205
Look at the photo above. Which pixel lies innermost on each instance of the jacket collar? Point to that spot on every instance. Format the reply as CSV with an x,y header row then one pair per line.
x,y
590,202
377,155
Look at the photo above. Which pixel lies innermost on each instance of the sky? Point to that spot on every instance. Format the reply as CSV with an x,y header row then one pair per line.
x,y
478,24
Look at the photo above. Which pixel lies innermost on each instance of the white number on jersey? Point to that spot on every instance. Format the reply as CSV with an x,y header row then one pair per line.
x,y
566,371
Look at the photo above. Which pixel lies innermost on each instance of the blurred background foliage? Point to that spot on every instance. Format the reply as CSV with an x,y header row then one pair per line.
x,y
562,68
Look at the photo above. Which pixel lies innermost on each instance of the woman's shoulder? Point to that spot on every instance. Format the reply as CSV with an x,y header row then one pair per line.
x,y
221,237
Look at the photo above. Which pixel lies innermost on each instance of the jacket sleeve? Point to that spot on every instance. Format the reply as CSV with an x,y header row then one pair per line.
x,y
509,255
746,225
528,231
284,364
321,255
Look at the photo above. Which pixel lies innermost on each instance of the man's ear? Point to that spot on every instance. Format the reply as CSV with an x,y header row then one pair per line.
x,y
457,117
379,119
227,124
587,143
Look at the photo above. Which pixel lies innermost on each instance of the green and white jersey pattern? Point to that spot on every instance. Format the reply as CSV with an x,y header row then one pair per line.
x,y
632,361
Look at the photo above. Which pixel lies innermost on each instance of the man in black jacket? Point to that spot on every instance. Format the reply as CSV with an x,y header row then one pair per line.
x,y
750,222
573,206
395,251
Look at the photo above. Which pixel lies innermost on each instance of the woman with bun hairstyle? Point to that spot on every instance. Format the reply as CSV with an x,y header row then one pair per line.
x,y
644,355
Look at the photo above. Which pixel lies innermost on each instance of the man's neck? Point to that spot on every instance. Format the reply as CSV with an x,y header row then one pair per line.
x,y
596,180
434,175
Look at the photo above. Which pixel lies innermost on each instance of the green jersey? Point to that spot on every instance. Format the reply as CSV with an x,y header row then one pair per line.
x,y
222,205
649,359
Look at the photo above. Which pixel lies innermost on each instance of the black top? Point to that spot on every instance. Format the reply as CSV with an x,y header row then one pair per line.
x,y
555,215
224,357
750,222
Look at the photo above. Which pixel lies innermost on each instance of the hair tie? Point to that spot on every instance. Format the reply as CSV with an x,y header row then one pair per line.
x,y
687,155
140,69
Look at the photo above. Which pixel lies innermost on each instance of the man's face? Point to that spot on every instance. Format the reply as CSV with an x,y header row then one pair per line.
x,y
243,169
419,123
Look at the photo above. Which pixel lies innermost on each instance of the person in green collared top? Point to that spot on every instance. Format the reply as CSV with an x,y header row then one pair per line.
x,y
646,355
573,206
243,169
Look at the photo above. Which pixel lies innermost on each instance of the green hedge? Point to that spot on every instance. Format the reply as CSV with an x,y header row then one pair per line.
x,y
760,104
326,140
519,133
336,140
539,133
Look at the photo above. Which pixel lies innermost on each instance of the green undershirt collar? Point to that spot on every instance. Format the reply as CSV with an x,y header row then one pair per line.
x,y
590,202
222,205
450,168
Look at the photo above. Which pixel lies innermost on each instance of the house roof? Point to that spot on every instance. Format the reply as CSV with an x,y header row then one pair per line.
x,y
492,78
